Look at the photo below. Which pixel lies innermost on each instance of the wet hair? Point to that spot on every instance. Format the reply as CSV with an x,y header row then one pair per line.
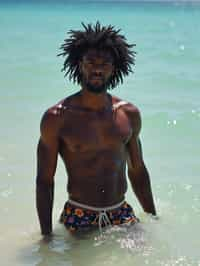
x,y
99,37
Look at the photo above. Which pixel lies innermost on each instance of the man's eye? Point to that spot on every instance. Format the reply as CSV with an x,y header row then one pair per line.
x,y
106,65
89,63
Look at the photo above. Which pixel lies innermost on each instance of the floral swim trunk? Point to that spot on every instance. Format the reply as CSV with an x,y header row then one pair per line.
x,y
75,218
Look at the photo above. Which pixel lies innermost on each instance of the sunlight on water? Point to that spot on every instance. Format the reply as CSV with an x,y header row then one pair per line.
x,y
128,237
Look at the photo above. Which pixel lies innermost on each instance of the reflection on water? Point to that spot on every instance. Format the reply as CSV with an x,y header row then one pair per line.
x,y
168,241
151,242
93,248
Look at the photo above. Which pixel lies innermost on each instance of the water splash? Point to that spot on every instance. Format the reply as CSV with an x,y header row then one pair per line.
x,y
6,193
182,47
129,237
174,122
181,261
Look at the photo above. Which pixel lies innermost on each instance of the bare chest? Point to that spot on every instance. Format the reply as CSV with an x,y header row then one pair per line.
x,y
87,131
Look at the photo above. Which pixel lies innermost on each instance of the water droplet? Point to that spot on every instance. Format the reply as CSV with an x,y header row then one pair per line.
x,y
188,187
182,47
174,122
6,193
196,198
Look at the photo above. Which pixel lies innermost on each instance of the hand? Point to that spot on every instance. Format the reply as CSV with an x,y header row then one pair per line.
x,y
154,217
47,238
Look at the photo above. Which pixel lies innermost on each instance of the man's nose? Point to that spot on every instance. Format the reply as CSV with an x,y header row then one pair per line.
x,y
98,69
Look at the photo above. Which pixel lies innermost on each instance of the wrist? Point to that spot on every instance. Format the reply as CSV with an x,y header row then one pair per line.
x,y
47,238
153,216
46,232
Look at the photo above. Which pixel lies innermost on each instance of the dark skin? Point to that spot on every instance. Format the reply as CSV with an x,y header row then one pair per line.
x,y
95,143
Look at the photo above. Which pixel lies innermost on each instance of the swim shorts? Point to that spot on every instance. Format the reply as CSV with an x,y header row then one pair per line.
x,y
75,218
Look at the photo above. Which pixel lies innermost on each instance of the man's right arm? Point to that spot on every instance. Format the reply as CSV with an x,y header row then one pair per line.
x,y
47,153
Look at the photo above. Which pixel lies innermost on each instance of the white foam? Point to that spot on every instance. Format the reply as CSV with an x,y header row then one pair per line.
x,y
6,193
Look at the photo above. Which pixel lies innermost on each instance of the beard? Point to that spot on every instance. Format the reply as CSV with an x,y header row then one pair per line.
x,y
97,89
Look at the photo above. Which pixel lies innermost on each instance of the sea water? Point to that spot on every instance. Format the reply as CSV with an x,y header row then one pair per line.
x,y
166,88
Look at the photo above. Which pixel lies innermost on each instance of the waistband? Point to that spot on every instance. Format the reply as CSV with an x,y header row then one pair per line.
x,y
97,209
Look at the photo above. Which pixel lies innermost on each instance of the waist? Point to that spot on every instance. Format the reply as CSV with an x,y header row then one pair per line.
x,y
93,208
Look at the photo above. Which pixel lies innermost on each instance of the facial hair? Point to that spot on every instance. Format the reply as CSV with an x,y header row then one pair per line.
x,y
96,89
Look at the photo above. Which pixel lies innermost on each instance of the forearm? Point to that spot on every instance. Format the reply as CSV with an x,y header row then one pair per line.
x,y
141,185
44,203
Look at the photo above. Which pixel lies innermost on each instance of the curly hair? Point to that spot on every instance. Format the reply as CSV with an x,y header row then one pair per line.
x,y
101,38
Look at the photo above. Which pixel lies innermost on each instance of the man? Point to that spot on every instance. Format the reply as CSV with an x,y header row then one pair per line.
x,y
96,134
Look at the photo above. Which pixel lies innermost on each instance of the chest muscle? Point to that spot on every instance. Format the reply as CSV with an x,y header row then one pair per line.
x,y
89,132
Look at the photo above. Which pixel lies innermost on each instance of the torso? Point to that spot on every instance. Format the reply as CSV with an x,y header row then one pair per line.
x,y
93,148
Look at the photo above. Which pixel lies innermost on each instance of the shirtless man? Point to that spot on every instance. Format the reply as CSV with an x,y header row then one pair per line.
x,y
96,134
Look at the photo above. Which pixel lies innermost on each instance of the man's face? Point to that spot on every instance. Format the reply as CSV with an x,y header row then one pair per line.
x,y
96,68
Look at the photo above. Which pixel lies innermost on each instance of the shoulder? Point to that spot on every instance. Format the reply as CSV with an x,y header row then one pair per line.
x,y
55,116
52,118
134,116
129,108
131,111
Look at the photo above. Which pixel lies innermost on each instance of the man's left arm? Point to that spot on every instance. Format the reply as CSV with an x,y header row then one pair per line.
x,y
137,171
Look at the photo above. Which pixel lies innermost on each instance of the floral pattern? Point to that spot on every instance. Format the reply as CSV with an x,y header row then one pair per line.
x,y
77,218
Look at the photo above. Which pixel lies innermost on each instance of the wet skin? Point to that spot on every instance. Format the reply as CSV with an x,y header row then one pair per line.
x,y
95,142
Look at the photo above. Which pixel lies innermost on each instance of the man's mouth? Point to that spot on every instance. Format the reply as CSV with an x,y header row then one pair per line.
x,y
96,76
98,79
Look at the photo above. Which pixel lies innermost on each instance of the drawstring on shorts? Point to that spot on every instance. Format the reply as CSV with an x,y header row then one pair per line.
x,y
103,216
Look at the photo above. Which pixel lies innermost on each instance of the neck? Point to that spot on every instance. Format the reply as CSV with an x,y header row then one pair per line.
x,y
95,101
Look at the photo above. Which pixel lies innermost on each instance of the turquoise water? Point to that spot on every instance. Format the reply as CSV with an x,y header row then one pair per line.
x,y
165,86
